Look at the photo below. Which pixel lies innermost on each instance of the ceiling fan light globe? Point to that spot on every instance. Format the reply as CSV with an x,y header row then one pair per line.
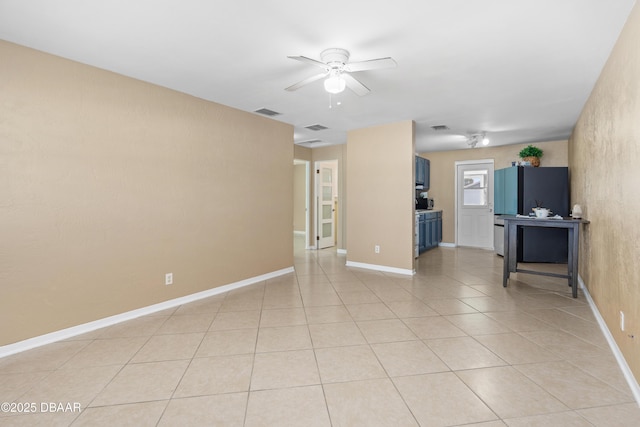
x,y
485,141
334,84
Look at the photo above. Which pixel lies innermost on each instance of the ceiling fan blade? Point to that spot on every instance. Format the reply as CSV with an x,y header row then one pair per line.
x,y
310,61
305,82
355,85
372,64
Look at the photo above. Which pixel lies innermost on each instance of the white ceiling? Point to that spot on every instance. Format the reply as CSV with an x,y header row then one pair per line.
x,y
521,70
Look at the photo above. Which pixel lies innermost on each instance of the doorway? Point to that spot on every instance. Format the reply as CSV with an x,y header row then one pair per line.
x,y
326,179
474,203
301,202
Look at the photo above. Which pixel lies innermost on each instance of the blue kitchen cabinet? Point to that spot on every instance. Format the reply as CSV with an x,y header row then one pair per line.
x,y
427,173
423,167
423,234
498,191
435,229
433,232
511,190
505,191
429,230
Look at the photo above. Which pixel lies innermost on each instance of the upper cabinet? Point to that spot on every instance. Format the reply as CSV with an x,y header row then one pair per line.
x,y
423,167
505,191
498,191
419,171
427,174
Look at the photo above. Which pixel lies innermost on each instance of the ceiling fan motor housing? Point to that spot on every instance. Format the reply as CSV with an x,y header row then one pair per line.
x,y
335,57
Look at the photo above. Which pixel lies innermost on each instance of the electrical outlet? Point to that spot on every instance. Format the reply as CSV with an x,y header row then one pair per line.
x,y
377,249
622,320
168,279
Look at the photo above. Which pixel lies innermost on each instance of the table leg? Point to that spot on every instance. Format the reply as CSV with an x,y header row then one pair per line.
x,y
574,247
570,257
513,243
505,257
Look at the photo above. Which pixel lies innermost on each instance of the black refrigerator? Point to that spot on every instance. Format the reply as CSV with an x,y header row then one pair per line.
x,y
517,190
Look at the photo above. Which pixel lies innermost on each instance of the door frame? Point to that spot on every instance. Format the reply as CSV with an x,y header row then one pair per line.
x,y
317,194
307,202
455,200
307,198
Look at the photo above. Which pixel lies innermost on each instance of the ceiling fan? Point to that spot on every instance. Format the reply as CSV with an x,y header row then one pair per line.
x,y
336,66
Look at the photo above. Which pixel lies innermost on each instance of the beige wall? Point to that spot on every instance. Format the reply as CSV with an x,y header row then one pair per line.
x,y
107,183
443,175
380,185
301,153
604,157
299,197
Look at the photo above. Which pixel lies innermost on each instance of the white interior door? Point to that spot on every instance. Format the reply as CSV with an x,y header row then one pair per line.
x,y
326,209
474,188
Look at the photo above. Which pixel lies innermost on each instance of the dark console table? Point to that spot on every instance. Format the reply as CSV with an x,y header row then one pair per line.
x,y
511,224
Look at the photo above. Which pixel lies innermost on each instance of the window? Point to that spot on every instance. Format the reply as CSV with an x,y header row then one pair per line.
x,y
475,188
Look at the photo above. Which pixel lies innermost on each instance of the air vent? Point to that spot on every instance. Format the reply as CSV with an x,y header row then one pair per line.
x,y
440,127
311,141
316,127
267,112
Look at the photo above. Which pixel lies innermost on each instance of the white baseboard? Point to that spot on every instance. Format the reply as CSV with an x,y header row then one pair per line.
x,y
303,233
626,371
52,337
342,251
447,245
382,268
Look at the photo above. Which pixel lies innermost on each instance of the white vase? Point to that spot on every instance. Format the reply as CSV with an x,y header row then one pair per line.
x,y
576,212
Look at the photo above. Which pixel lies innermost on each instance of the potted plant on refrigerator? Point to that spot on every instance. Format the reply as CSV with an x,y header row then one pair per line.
x,y
531,154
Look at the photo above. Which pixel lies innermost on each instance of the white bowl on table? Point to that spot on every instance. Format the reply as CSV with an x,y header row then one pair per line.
x,y
542,212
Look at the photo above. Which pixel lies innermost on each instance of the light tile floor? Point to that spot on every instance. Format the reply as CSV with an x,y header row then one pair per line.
x,y
337,346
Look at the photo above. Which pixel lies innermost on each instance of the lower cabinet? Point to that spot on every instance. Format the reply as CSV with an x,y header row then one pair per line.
x,y
430,230
422,234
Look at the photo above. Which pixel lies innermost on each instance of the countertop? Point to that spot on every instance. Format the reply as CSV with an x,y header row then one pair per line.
x,y
523,220
421,211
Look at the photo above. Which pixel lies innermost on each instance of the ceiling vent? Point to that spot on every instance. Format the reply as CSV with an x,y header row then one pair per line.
x,y
310,141
440,127
267,112
316,127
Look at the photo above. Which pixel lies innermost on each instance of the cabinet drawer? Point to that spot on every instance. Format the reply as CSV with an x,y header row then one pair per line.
x,y
432,215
